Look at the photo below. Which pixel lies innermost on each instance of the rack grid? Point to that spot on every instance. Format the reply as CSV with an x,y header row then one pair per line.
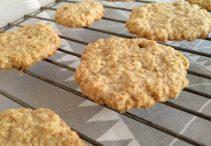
x,y
72,69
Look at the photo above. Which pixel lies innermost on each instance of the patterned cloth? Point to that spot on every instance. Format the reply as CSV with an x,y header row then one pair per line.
x,y
98,122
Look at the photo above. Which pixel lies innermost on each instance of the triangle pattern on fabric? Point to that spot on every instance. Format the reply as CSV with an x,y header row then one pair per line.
x,y
87,103
119,132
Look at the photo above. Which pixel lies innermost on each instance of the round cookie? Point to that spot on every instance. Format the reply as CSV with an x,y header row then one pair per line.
x,y
202,3
79,14
26,46
170,21
26,127
131,73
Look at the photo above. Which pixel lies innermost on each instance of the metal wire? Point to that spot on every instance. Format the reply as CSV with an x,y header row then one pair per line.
x,y
20,102
23,104
118,8
134,117
127,114
129,36
22,19
177,48
167,103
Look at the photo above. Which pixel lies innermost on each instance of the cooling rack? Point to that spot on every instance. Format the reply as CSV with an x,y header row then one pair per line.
x,y
132,116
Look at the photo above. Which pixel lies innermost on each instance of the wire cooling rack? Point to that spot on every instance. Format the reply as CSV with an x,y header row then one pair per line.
x,y
85,137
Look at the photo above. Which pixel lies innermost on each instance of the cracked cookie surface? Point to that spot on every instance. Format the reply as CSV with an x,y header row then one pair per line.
x,y
26,127
131,73
26,46
170,21
79,14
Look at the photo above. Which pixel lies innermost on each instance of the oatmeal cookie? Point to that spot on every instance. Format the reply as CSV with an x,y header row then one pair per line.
x,y
26,127
79,14
131,73
202,3
26,46
170,21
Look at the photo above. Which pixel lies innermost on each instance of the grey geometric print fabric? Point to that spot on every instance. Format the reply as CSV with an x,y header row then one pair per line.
x,y
98,122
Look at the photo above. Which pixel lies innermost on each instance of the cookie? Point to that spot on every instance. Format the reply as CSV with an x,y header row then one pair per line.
x,y
202,3
170,21
26,46
41,127
79,14
131,73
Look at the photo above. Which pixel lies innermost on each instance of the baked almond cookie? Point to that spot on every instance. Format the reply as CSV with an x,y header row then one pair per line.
x,y
26,46
202,3
131,73
170,21
41,127
79,14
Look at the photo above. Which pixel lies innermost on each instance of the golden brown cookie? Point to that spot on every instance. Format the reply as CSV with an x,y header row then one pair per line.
x,y
79,14
202,3
41,127
170,21
131,73
26,46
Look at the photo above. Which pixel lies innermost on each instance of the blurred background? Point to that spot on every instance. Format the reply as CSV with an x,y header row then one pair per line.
x,y
13,9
